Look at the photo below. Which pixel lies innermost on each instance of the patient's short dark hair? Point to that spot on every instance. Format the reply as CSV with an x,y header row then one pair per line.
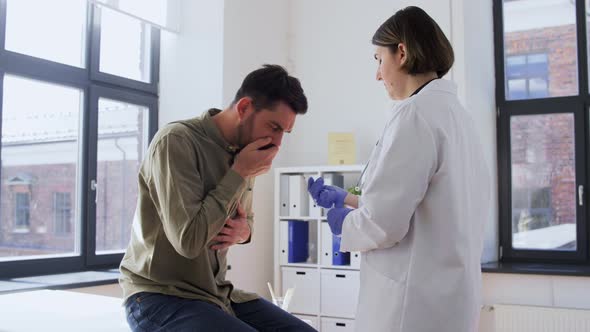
x,y
271,84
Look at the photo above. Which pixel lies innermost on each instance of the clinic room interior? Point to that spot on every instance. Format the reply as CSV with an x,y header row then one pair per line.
x,y
331,165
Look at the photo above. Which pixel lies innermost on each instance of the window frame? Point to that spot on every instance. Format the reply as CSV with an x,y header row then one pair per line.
x,y
579,106
97,92
92,84
94,63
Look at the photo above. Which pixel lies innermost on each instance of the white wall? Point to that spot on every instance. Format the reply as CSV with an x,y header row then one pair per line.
x,y
332,54
191,63
474,73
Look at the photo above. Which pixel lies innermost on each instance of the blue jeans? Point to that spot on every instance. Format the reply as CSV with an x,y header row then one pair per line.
x,y
159,312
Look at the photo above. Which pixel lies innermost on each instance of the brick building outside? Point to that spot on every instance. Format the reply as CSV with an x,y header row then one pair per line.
x,y
39,210
541,61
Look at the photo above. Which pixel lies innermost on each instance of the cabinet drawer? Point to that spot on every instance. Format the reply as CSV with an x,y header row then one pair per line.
x,y
340,290
306,299
337,325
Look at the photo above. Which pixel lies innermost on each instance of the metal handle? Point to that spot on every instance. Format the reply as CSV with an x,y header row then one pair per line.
x,y
93,185
581,195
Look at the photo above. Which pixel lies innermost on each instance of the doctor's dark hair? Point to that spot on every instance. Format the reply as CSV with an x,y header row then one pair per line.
x,y
427,47
271,84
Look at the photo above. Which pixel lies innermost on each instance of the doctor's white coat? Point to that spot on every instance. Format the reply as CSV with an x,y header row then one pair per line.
x,y
421,217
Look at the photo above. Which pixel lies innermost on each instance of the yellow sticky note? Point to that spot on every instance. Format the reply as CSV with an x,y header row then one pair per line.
x,y
341,149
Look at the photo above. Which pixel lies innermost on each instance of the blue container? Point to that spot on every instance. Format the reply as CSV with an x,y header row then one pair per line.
x,y
298,241
339,258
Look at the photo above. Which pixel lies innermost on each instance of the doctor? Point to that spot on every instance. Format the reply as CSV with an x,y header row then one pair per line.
x,y
425,196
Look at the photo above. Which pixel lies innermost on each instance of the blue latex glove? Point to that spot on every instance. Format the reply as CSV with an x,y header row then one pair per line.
x,y
336,218
326,196
315,187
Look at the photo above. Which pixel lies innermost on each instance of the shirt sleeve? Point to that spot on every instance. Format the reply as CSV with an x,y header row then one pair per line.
x,y
396,186
191,218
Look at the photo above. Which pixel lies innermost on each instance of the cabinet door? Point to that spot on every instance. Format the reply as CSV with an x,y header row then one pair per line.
x,y
337,325
306,298
340,289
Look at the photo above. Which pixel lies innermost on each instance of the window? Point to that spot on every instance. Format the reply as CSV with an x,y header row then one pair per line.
x,y
527,76
31,31
124,46
22,210
40,135
62,213
122,141
542,99
78,106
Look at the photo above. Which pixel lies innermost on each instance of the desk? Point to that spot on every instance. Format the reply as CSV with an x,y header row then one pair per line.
x,y
55,310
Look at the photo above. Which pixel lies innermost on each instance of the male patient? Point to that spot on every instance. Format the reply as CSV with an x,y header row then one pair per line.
x,y
195,200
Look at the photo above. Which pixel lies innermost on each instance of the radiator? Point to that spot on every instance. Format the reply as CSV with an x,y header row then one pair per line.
x,y
518,318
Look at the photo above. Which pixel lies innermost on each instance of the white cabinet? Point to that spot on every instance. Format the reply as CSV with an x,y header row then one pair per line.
x,y
325,294
337,325
306,298
339,293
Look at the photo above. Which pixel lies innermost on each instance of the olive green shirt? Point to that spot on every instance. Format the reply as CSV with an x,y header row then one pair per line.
x,y
186,193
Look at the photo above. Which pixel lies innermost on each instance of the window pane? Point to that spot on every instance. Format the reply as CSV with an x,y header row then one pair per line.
x,y
22,209
516,60
543,182
544,31
517,89
515,67
52,30
40,130
122,141
124,46
537,58
538,88
62,209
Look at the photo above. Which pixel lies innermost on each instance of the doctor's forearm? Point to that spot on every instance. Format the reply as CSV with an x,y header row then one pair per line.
x,y
352,200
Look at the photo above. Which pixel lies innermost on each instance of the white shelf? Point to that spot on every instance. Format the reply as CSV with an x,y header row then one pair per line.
x,y
338,267
293,274
300,218
305,265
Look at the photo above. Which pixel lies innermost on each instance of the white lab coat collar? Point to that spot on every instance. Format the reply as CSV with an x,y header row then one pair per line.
x,y
440,84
